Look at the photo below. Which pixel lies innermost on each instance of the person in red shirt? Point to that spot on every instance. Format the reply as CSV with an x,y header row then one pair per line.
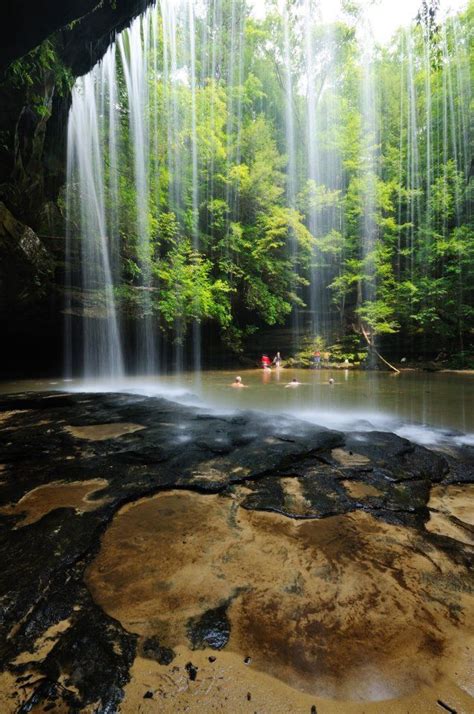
x,y
266,362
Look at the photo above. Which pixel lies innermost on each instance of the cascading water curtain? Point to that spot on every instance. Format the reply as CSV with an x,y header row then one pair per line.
x,y
87,186
248,165
127,157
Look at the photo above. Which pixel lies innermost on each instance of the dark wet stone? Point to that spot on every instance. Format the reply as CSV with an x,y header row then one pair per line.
x,y
151,649
192,671
180,447
148,695
461,464
267,495
212,629
44,690
95,655
403,459
211,659
247,660
320,496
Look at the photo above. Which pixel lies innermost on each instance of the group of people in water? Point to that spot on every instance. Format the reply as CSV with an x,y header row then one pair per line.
x,y
267,365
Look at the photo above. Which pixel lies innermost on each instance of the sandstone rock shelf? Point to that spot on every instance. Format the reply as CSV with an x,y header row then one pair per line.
x,y
165,557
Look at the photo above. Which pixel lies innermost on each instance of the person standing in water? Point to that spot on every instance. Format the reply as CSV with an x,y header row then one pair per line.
x,y
277,360
317,359
266,362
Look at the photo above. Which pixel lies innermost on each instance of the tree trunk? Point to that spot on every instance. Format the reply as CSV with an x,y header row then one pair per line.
x,y
375,350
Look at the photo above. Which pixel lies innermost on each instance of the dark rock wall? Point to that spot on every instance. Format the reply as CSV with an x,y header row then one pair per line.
x,y
33,127
29,22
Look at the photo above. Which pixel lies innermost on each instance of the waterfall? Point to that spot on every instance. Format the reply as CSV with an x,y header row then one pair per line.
x,y
412,153
162,190
312,161
291,173
368,162
194,171
323,169
134,45
116,144
101,345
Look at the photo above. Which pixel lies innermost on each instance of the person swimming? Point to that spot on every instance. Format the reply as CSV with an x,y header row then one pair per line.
x,y
331,380
294,383
238,383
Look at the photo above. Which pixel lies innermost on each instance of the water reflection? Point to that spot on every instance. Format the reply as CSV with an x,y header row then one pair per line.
x,y
413,403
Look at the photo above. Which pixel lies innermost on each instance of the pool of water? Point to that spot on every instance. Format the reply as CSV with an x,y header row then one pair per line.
x,y
425,407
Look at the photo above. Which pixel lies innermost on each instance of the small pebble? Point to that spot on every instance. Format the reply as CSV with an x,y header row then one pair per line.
x,y
148,695
247,660
313,710
249,696
211,658
192,670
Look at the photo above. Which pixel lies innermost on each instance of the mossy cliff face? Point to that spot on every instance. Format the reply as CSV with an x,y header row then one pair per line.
x,y
43,48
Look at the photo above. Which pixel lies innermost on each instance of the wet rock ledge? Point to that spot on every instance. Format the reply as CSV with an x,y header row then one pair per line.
x,y
159,557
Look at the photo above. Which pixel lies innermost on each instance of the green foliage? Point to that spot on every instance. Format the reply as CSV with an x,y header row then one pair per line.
x,y
389,232
349,348
35,69
186,289
379,317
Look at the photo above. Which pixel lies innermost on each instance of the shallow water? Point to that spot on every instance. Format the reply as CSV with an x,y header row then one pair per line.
x,y
425,407
325,614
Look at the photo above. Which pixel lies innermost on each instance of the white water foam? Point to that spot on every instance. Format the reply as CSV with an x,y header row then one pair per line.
x,y
337,419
